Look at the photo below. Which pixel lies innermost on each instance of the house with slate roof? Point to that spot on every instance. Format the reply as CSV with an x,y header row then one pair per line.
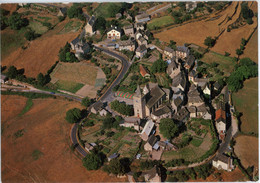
x,y
139,26
129,30
182,52
150,143
126,45
173,68
147,130
169,52
89,28
141,51
223,162
189,63
162,112
153,175
114,32
142,18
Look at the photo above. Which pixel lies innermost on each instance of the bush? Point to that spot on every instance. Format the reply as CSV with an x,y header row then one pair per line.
x,y
92,161
122,108
210,42
168,128
16,22
31,35
61,18
73,115
86,101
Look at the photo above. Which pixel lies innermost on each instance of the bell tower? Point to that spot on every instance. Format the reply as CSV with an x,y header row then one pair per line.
x,y
139,103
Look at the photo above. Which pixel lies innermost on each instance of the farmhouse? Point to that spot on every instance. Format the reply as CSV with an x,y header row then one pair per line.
x,y
169,52
142,18
179,81
114,33
143,71
192,75
150,143
126,45
177,103
129,30
153,175
74,43
182,52
221,121
62,12
97,107
146,132
141,41
141,51
182,115
81,49
173,68
189,62
131,122
223,162
162,112
89,28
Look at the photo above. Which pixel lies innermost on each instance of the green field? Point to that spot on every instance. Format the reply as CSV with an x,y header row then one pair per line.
x,y
246,101
196,142
27,107
104,9
38,27
226,64
71,26
69,86
160,22
11,40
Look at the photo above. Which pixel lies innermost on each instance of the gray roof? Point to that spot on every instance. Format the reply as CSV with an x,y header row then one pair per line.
x,y
178,101
138,91
192,109
181,114
193,91
148,127
130,26
141,48
179,79
152,173
126,43
152,140
113,156
63,10
161,111
139,24
85,47
190,60
75,41
92,20
217,85
192,73
183,49
202,108
98,106
172,66
168,49
142,16
155,94
223,158
115,28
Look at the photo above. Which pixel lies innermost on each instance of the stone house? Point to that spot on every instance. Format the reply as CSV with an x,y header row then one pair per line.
x,y
126,45
162,112
220,121
182,52
143,71
141,51
146,132
81,49
97,107
179,81
182,115
141,41
177,103
62,12
75,42
114,33
150,143
129,30
194,98
191,5
192,75
153,175
3,78
223,162
189,62
139,26
118,15
169,52
173,68
89,28
142,18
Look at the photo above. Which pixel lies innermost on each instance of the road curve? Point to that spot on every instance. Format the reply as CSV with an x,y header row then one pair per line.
x,y
125,67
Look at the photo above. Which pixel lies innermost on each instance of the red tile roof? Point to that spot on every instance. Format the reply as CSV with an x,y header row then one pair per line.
x,y
143,71
220,114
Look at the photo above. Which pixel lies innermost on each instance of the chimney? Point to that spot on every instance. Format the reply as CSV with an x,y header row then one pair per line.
x,y
115,27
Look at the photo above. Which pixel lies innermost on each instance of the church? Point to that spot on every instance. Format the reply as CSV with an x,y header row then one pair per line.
x,y
149,102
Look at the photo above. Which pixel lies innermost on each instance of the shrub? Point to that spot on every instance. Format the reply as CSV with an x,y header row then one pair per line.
x,y
73,115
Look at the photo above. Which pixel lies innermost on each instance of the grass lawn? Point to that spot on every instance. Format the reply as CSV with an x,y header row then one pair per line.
x,y
11,40
246,101
69,86
104,9
159,22
226,64
196,142
27,107
38,27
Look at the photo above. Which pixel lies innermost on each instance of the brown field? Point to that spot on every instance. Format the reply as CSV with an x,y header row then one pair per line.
x,y
246,101
246,149
10,7
41,53
251,50
196,32
45,131
234,176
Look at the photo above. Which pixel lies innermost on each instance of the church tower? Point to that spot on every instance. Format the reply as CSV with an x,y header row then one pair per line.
x,y
139,103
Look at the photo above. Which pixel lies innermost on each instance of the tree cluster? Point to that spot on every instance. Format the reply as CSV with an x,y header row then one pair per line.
x,y
73,115
65,55
122,108
159,66
118,166
244,70
247,13
16,22
75,11
86,101
210,42
31,35
149,164
94,160
110,122
168,128
3,18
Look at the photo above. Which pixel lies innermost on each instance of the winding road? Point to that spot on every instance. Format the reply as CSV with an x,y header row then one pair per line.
x,y
104,98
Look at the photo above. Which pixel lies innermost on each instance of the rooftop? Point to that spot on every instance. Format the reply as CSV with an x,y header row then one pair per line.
x,y
168,49
155,94
148,127
162,110
141,48
143,70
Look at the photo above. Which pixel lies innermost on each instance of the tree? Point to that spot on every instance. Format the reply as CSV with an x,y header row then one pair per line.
x,y
16,22
73,115
31,35
100,23
168,128
109,122
239,52
159,66
122,108
117,167
124,37
41,79
92,161
210,42
12,72
86,101
75,11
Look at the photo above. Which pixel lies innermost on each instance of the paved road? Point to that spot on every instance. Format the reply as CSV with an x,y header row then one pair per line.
x,y
106,97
